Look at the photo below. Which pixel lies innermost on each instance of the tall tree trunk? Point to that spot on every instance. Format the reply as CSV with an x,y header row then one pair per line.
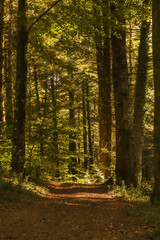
x,y
55,124
130,65
1,60
18,142
8,90
124,139
156,66
36,87
84,125
29,114
89,129
130,53
41,127
8,79
72,136
104,83
140,92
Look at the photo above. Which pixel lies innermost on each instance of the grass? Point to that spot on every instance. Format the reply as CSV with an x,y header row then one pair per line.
x,y
143,209
11,189
150,215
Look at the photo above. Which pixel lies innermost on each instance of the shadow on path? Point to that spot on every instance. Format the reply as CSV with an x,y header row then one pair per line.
x,y
68,212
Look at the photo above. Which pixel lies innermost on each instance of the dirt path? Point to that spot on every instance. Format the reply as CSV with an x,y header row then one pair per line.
x,y
69,212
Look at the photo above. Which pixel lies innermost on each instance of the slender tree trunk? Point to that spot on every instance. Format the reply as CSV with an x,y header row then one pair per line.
x,y
38,106
29,115
140,92
36,87
130,65
84,125
130,53
124,139
72,136
1,60
8,88
18,142
8,80
78,138
55,124
156,65
89,129
41,128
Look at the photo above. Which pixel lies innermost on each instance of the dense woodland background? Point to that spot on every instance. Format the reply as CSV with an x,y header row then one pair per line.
x,y
77,90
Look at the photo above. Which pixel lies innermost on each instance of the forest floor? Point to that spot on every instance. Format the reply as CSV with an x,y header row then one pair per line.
x,y
74,212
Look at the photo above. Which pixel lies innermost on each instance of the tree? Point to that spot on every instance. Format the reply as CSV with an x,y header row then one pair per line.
x,y
8,71
89,128
55,124
18,148
104,83
156,66
1,59
84,124
124,137
72,135
18,142
140,92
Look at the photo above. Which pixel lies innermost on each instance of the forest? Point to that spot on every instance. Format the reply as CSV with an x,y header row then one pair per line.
x,y
79,91
79,119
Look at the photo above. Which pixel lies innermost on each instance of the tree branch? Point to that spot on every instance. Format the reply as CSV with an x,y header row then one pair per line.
x,y
55,3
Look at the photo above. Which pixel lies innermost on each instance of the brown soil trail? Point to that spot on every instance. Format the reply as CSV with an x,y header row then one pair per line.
x,y
69,212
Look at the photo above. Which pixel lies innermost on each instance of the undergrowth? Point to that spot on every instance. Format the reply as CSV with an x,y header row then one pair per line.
x,y
11,189
141,193
143,209
150,219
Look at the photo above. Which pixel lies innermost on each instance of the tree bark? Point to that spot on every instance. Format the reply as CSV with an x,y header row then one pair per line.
x,y
84,125
41,127
1,61
8,85
89,129
72,136
124,138
55,124
156,66
36,87
104,83
18,142
140,92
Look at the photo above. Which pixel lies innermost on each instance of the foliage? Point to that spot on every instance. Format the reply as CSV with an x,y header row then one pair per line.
x,y
5,153
150,219
141,193
62,46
